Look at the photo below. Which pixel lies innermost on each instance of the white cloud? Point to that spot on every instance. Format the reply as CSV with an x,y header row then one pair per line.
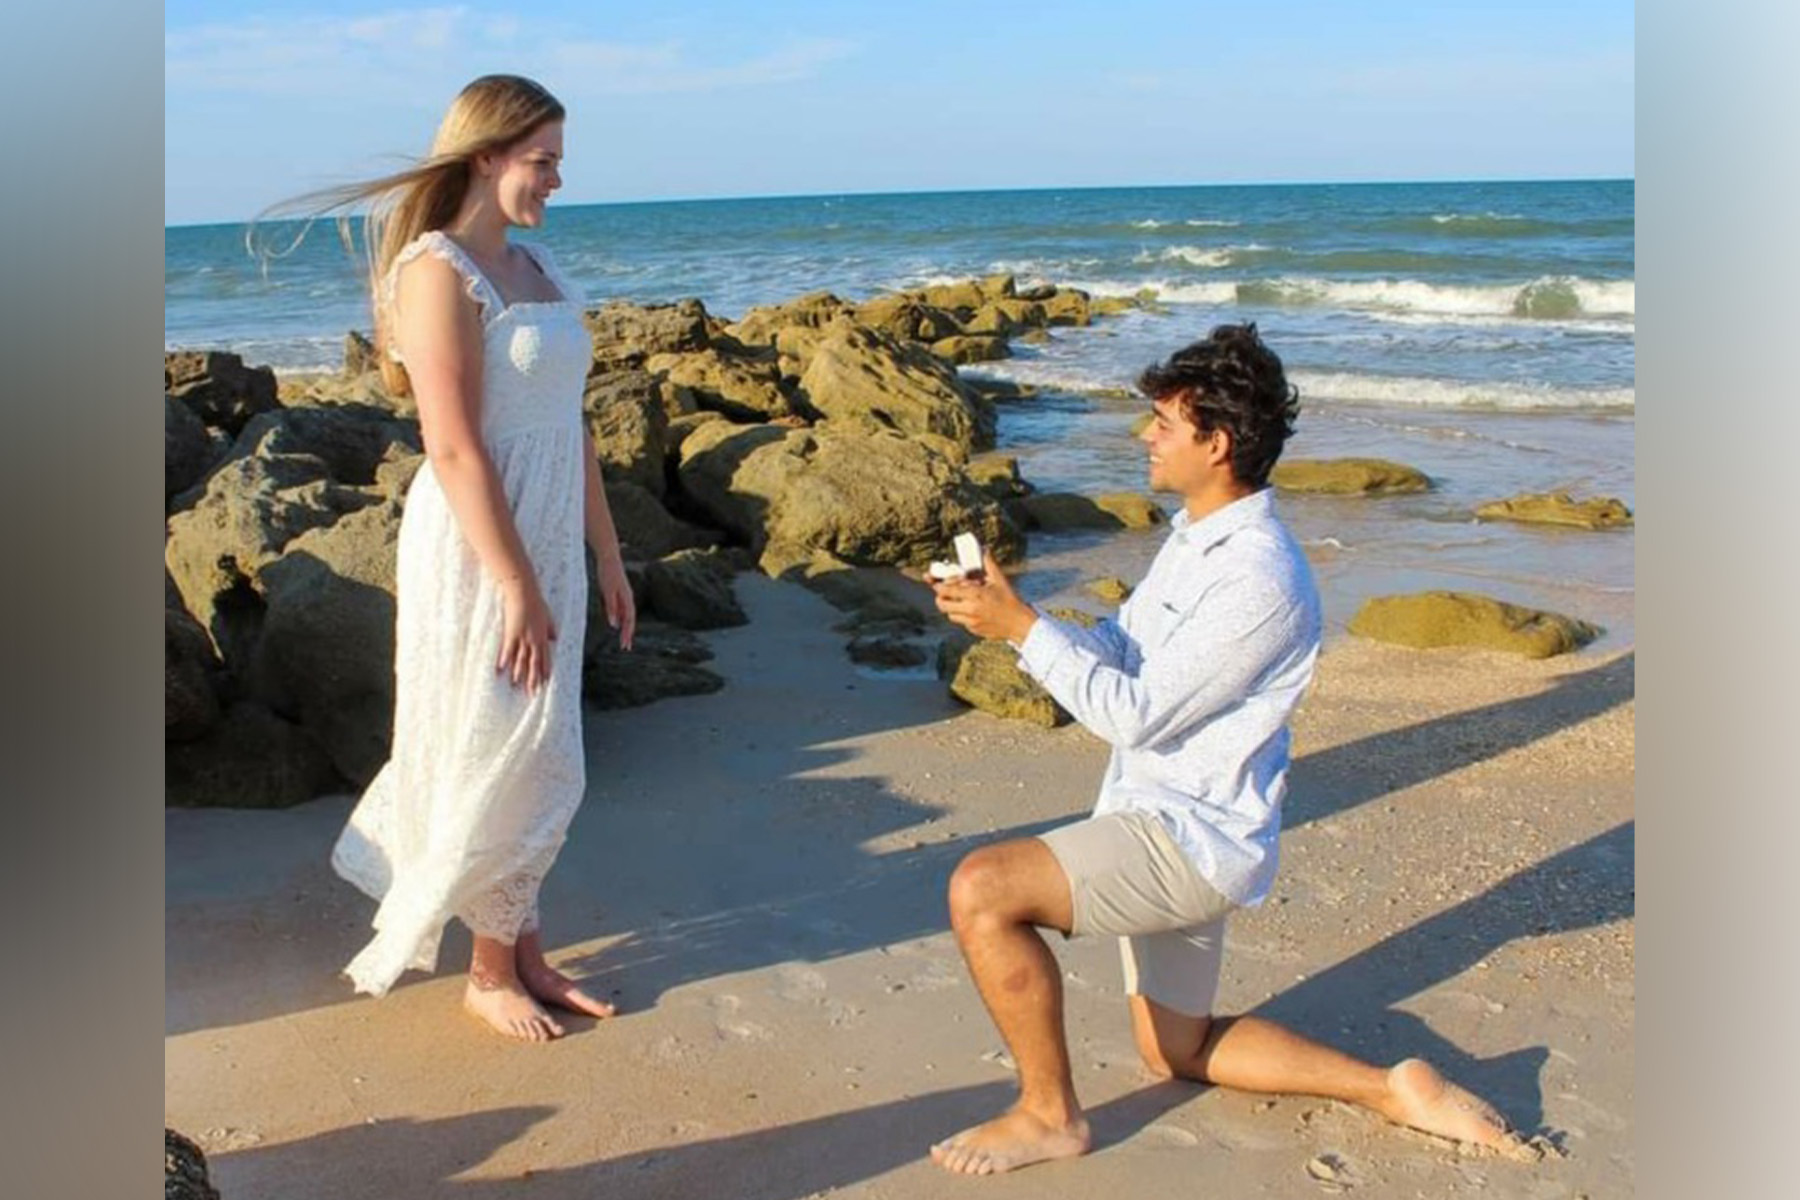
x,y
414,51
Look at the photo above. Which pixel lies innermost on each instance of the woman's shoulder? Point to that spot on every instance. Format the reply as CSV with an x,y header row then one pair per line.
x,y
447,262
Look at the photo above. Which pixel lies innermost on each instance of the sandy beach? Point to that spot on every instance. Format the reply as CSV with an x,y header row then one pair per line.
x,y
757,879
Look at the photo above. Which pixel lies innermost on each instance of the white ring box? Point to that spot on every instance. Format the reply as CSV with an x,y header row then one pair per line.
x,y
968,560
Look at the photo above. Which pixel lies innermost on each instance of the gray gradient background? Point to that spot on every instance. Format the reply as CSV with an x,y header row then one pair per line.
x,y
1718,322
81,858
1719,426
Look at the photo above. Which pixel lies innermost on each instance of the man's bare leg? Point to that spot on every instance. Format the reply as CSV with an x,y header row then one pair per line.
x,y
1256,1055
997,895
496,994
551,986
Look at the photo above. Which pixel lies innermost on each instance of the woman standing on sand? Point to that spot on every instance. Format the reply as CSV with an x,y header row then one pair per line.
x,y
487,765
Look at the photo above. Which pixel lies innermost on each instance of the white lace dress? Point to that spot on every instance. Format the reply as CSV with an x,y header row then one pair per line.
x,y
471,808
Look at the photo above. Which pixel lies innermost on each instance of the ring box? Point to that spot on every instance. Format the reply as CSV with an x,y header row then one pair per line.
x,y
968,564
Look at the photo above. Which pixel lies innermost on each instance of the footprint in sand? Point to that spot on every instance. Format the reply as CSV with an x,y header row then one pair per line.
x,y
1249,1131
1592,1114
936,976
798,983
1163,1136
729,1024
842,1015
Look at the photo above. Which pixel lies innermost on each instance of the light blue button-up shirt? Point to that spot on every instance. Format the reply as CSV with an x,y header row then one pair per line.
x,y
1193,686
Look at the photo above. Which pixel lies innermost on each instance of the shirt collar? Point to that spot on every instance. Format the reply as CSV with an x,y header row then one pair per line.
x,y
1221,523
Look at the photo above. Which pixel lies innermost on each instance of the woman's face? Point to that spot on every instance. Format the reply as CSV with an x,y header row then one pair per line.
x,y
526,174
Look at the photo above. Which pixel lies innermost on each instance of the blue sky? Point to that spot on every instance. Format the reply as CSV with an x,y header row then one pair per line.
x,y
263,101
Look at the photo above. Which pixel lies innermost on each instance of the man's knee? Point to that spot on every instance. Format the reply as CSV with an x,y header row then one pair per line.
x,y
979,886
985,886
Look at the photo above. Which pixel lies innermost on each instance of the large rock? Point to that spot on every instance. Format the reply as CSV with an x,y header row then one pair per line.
x,y
741,388
646,529
997,475
184,1169
1053,511
725,474
367,390
251,758
985,674
1069,306
961,298
190,667
1110,588
218,387
251,509
630,427
360,355
857,371
680,427
625,335
1428,620
1347,476
906,318
814,310
188,450
353,441
326,654
974,348
662,663
1134,511
691,589
868,498
1002,319
1559,508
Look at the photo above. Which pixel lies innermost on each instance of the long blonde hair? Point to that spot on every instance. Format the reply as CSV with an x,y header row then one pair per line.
x,y
490,114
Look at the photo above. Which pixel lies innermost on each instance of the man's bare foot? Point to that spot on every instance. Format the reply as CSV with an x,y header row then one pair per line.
x,y
553,987
1008,1142
1427,1101
508,1009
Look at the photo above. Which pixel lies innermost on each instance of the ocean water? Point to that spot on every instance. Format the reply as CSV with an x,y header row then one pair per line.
x,y
1482,332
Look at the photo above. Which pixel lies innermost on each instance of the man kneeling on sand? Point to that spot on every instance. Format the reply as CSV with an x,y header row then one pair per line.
x,y
1192,687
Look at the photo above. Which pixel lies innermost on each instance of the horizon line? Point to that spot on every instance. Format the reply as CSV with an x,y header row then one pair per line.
x,y
976,191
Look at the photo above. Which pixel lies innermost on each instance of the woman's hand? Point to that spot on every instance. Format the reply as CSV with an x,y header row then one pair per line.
x,y
615,594
526,638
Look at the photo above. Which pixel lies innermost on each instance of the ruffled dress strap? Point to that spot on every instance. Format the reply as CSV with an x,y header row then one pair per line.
x,y
439,244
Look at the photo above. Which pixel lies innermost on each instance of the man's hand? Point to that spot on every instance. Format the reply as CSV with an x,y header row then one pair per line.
x,y
987,607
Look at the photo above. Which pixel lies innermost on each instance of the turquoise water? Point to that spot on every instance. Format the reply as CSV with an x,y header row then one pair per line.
x,y
1483,332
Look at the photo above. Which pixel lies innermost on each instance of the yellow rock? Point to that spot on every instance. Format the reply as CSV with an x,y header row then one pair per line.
x,y
1347,476
1559,508
1429,620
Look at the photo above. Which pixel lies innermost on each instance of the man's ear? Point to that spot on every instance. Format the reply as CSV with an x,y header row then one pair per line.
x,y
1218,446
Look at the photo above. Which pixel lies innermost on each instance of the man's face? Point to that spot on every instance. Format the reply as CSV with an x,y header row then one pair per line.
x,y
1181,457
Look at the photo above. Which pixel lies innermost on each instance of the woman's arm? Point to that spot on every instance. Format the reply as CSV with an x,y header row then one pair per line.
x,y
438,330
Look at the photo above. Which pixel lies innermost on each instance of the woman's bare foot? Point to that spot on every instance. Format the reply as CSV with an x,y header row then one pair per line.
x,y
508,1009
1015,1139
551,986
1425,1100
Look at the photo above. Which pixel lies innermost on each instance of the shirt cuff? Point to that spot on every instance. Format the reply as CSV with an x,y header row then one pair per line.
x,y
1043,645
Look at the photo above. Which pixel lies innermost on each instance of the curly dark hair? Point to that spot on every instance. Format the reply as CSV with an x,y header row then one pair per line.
x,y
1230,380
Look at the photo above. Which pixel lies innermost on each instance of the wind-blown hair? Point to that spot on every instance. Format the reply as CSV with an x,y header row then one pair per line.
x,y
490,115
1230,380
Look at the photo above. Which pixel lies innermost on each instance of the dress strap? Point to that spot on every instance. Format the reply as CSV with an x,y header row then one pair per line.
x,y
439,244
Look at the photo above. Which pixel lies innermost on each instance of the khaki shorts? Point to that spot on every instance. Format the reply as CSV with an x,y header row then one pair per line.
x,y
1129,879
